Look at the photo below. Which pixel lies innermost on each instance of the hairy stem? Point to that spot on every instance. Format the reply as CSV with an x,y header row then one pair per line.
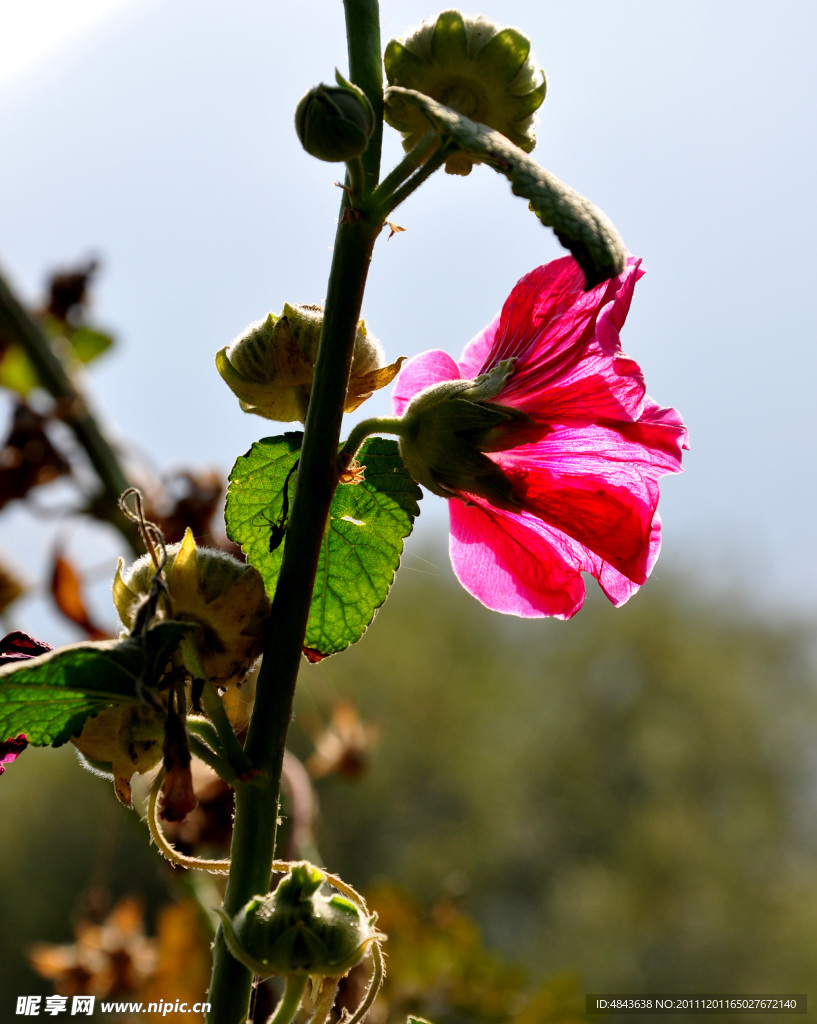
x,y
19,328
256,806
294,989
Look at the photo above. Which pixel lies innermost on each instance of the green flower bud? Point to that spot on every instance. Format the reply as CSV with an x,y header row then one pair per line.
x,y
334,123
270,367
226,597
447,428
472,66
296,930
121,742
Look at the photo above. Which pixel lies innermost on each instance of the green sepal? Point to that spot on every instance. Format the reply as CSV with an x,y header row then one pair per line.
x,y
362,544
449,37
49,697
504,56
578,224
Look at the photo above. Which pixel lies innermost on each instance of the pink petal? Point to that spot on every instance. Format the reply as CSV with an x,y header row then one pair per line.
x,y
615,586
594,486
659,429
11,749
475,356
420,372
569,363
513,563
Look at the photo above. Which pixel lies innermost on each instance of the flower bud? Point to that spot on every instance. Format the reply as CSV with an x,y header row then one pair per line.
x,y
121,742
449,426
334,123
472,66
296,930
224,596
270,367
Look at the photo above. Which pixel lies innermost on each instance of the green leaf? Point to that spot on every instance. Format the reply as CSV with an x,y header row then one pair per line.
x,y
18,375
16,372
88,343
579,225
49,698
362,544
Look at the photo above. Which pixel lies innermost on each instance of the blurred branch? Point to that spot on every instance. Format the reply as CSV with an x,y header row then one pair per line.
x,y
20,328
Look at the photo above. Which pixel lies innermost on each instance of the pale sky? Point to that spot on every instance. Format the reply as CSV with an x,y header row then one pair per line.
x,y
160,137
33,30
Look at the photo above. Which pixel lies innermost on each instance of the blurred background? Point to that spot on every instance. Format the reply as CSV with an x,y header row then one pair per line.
x,y
626,800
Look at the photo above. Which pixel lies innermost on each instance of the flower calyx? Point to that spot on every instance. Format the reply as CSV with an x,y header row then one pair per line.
x,y
225,598
121,742
448,427
472,66
334,122
296,930
271,365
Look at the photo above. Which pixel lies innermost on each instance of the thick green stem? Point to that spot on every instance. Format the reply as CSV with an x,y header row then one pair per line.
x,y
366,71
256,808
18,326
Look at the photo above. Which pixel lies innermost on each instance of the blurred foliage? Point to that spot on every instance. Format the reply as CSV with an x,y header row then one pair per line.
x,y
622,802
628,796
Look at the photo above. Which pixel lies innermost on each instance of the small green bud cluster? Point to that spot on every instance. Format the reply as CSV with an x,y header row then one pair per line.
x,y
296,930
334,122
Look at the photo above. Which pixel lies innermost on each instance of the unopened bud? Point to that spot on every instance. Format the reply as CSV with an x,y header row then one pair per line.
x,y
225,597
296,930
271,366
334,122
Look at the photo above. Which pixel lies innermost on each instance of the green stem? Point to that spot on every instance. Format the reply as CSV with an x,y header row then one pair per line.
x,y
366,71
423,174
356,180
362,430
19,327
290,1001
214,706
413,160
202,750
256,801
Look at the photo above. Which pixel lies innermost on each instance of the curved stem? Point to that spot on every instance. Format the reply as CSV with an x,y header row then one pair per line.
x,y
362,430
21,329
290,1001
378,974
168,851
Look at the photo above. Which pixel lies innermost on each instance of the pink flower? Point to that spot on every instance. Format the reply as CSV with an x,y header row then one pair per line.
x,y
579,453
